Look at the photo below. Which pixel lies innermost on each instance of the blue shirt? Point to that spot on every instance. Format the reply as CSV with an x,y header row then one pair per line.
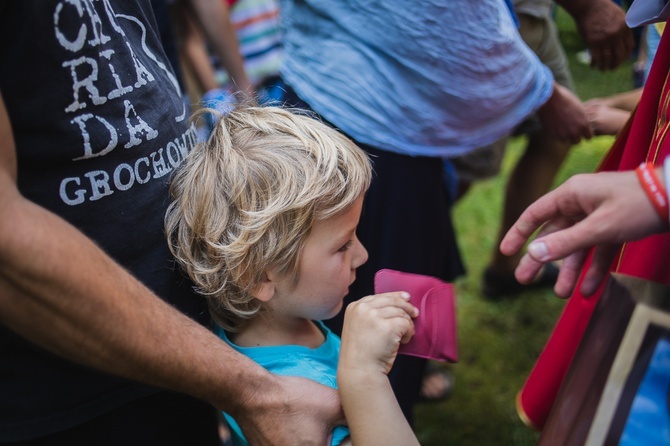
x,y
318,364
432,78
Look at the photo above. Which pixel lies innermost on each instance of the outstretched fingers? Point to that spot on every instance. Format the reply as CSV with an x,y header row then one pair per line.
x,y
568,275
549,212
599,268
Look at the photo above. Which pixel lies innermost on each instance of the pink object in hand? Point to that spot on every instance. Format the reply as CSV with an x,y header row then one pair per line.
x,y
435,328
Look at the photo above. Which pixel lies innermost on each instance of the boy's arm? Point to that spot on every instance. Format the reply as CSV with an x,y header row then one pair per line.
x,y
626,100
373,329
60,291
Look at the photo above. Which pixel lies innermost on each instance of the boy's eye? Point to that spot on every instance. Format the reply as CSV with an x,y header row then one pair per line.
x,y
346,246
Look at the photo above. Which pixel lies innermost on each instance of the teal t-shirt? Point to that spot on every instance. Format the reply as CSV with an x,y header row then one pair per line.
x,y
318,364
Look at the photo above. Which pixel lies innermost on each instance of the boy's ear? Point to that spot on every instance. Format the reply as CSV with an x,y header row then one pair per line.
x,y
266,289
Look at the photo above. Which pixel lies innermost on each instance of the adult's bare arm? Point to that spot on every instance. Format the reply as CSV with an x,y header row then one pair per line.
x,y
601,209
602,25
194,52
60,291
213,16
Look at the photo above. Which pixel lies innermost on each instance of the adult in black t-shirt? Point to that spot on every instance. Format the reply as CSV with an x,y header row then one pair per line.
x,y
91,125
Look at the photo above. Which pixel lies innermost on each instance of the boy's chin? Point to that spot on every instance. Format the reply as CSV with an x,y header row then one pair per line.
x,y
334,312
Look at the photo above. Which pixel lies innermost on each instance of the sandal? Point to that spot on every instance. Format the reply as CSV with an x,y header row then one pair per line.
x,y
437,384
496,286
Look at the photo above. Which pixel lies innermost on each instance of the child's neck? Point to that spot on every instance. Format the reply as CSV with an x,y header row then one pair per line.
x,y
273,330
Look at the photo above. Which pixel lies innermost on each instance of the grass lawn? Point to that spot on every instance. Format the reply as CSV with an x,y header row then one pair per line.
x,y
500,341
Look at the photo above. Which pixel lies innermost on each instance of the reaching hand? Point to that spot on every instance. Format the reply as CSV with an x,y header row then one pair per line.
x,y
602,209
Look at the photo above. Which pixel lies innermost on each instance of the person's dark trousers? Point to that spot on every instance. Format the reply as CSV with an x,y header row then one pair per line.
x,y
164,418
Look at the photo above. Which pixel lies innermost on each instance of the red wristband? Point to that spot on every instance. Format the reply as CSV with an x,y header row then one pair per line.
x,y
654,189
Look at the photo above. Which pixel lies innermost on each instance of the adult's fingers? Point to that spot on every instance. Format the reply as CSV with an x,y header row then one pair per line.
x,y
602,57
545,214
527,269
600,266
564,242
571,268
537,214
529,265
611,52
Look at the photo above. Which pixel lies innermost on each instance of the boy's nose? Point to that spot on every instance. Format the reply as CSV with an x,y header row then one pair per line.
x,y
361,255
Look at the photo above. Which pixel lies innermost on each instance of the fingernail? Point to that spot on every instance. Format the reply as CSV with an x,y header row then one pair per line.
x,y
405,295
538,250
589,286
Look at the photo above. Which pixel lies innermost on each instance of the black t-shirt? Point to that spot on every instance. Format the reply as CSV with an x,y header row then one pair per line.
x,y
99,125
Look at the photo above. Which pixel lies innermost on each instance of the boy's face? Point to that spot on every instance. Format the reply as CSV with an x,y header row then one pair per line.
x,y
328,265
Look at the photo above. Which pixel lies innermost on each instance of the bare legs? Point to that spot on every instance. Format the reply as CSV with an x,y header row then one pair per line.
x,y
532,177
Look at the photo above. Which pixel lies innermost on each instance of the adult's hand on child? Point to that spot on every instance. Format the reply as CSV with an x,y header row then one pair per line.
x,y
295,411
373,329
601,209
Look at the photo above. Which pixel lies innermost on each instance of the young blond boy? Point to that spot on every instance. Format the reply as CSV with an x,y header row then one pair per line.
x,y
263,220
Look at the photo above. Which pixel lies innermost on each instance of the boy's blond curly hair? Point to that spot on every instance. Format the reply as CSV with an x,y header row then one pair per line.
x,y
245,201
